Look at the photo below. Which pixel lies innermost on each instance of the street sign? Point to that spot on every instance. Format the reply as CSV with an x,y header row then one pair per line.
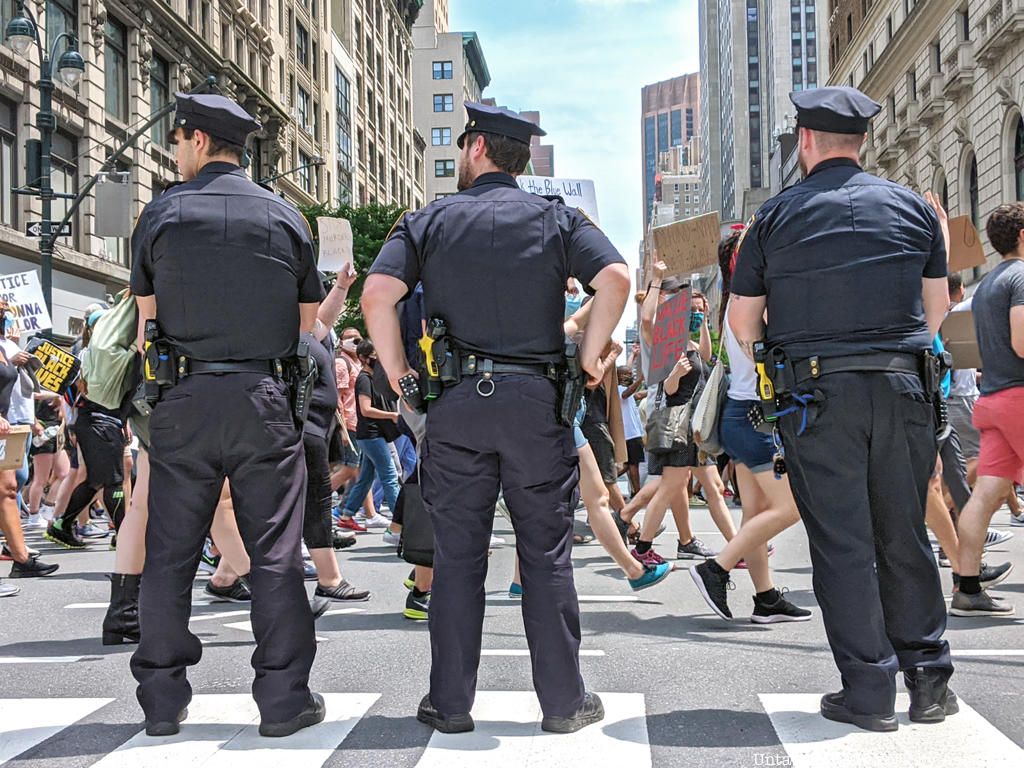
x,y
35,229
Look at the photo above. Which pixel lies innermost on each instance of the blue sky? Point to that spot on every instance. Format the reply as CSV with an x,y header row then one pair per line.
x,y
582,63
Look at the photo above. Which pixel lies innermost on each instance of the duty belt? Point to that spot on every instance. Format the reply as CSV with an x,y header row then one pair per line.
x,y
189,367
471,365
881,362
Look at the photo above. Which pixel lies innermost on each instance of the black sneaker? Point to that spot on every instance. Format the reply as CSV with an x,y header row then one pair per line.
x,y
32,567
931,701
622,526
417,608
833,707
713,588
990,575
694,550
238,592
166,727
343,593
462,723
778,611
981,604
591,712
56,533
314,713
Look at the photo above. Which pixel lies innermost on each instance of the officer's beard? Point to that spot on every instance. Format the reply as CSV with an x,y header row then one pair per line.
x,y
465,176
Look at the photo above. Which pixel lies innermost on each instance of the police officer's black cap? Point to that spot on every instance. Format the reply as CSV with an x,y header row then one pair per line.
x,y
498,121
837,109
215,115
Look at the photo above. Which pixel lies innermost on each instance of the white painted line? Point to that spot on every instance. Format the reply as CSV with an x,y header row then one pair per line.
x,y
39,659
344,611
991,652
500,597
104,606
224,615
526,652
27,722
508,734
246,626
814,742
222,731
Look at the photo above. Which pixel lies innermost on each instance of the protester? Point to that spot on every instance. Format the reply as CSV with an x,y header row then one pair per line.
x,y
998,307
632,428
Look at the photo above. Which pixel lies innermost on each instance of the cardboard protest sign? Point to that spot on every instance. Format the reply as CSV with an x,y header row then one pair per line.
x,y
24,295
670,336
577,193
960,340
12,447
335,243
688,245
59,367
965,251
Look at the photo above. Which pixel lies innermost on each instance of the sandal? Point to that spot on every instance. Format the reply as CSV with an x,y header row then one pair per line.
x,y
582,533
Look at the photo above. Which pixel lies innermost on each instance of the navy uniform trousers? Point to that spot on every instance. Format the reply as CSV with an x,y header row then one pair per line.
x,y
860,476
207,428
475,446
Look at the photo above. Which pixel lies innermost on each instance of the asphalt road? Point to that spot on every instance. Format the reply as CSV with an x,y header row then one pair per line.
x,y
682,687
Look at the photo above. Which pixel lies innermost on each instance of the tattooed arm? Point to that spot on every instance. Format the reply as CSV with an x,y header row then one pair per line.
x,y
746,319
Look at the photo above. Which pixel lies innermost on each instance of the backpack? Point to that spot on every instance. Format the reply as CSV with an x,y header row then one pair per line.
x,y
108,366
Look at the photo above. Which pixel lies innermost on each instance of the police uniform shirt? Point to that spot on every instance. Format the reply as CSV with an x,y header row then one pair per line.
x,y
222,235
494,261
840,257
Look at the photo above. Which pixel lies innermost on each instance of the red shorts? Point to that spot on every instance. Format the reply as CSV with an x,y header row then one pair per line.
x,y
999,418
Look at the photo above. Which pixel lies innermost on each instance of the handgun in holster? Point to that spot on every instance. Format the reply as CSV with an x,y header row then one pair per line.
x,y
304,378
158,368
935,368
572,384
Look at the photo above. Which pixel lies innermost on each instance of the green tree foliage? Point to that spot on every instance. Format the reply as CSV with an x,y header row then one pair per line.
x,y
370,227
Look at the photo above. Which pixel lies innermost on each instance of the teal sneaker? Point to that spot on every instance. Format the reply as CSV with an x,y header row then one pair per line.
x,y
652,575
515,591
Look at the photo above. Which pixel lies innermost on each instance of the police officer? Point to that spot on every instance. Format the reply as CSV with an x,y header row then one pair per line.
x,y
494,261
227,269
852,270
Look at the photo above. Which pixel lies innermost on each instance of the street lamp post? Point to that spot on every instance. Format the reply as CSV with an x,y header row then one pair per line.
x,y
22,32
315,162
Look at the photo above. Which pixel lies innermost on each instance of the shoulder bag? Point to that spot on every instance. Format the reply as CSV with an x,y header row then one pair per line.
x,y
709,406
668,427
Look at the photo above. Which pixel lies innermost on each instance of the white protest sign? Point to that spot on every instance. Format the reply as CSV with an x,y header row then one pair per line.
x,y
24,295
335,243
577,193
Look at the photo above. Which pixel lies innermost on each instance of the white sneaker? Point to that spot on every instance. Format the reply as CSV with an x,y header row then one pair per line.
x,y
1017,521
995,537
46,513
496,541
392,539
305,552
377,521
34,521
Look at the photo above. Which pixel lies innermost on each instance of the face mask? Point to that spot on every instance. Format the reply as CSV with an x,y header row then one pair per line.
x,y
573,303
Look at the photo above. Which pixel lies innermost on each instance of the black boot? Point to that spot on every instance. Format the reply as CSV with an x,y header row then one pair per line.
x,y
930,698
121,624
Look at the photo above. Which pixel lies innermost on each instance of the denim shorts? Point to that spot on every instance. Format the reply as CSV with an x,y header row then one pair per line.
x,y
741,441
577,433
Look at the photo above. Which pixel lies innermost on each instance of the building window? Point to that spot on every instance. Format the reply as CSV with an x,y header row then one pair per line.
x,y
61,16
444,102
1018,159
663,132
303,108
159,95
444,169
972,189
8,163
442,70
305,177
440,137
64,177
115,65
302,45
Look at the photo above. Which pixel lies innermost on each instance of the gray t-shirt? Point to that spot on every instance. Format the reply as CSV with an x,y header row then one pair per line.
x,y
1001,289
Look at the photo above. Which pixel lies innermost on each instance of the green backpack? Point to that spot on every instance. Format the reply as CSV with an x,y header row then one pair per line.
x,y
107,364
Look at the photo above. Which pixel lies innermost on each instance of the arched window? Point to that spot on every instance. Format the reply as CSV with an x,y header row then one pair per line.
x,y
1018,159
941,188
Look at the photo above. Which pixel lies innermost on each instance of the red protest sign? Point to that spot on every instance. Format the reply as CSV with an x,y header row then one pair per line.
x,y
670,335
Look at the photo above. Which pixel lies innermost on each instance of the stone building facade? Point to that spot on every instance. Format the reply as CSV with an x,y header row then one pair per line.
x,y
950,77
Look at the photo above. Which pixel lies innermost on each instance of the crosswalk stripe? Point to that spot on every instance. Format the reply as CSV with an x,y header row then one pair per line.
x,y
27,722
39,659
811,741
222,732
224,615
990,652
246,626
508,734
503,598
